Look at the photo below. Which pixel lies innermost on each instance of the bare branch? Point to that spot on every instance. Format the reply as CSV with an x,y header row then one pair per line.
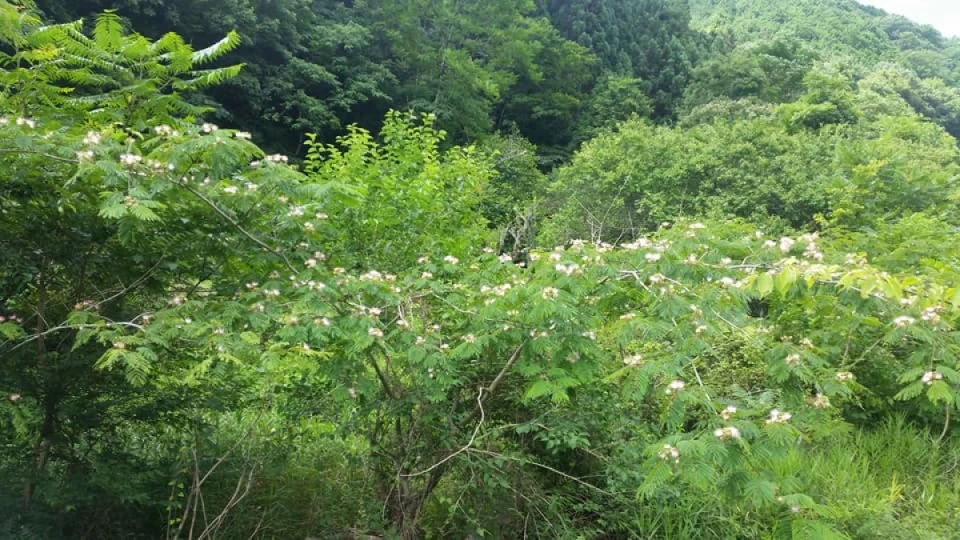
x,y
542,466
60,328
240,228
42,154
461,450
506,368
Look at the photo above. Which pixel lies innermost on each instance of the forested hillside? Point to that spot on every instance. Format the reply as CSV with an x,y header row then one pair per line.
x,y
458,269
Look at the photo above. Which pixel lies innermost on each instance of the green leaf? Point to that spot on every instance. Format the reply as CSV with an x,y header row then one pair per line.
x,y
10,330
760,492
538,389
910,391
764,284
250,338
143,213
810,529
939,392
218,49
114,211
108,31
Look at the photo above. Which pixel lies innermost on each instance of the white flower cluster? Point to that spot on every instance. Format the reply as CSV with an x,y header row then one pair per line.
x,y
92,139
670,453
12,318
931,376
931,314
642,242
164,130
811,251
277,158
729,433
450,259
728,412
728,281
854,259
130,160
821,402
674,387
633,361
550,292
793,359
777,417
159,166
786,244
207,127
499,290
903,321
373,275
844,376
568,269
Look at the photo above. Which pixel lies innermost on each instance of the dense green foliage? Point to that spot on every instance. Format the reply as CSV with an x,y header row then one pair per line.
x,y
609,269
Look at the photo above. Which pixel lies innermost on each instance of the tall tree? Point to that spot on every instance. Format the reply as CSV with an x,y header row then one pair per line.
x,y
649,39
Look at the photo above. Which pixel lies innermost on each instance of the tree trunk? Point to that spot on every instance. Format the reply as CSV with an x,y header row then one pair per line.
x,y
42,452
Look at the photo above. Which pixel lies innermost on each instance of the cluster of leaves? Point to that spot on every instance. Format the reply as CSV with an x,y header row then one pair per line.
x,y
801,165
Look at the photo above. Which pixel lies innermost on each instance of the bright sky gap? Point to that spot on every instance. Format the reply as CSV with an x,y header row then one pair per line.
x,y
944,15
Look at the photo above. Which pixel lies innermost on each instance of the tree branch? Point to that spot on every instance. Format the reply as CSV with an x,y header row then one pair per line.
x,y
36,153
542,466
383,378
506,368
240,228
55,329
496,382
461,450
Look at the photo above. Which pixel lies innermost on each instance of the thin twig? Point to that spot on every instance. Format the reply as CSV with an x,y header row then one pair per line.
x,y
34,152
506,368
542,466
56,329
946,424
259,524
246,435
461,450
496,381
133,285
240,228
235,499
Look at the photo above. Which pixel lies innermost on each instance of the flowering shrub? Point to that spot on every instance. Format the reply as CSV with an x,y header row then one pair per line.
x,y
364,276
